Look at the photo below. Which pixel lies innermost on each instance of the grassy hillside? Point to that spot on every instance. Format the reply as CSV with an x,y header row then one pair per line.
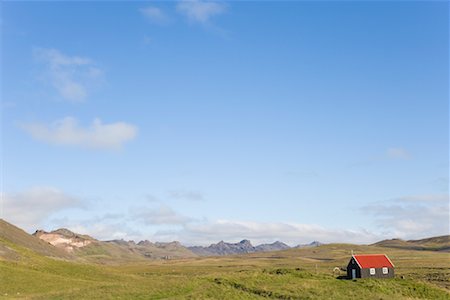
x,y
439,243
12,235
291,274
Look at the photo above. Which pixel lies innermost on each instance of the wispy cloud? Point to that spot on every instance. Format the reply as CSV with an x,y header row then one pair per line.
x,y
412,216
441,183
68,132
108,226
146,40
71,76
197,11
155,15
29,209
390,154
162,215
151,198
186,195
397,153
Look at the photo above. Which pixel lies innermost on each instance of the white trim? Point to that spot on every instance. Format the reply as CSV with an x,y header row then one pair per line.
x,y
389,260
357,261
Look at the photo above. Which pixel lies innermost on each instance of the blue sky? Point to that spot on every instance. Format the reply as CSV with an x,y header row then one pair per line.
x,y
200,121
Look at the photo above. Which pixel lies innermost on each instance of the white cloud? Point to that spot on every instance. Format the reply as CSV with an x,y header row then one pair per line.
x,y
71,76
103,231
186,195
200,11
155,15
108,226
162,215
397,153
194,232
427,199
165,224
207,232
412,216
100,230
68,132
28,209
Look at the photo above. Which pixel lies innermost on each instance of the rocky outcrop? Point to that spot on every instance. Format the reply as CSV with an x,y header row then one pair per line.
x,y
64,239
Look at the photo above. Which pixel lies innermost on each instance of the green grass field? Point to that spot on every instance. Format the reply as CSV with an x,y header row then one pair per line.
x,y
292,274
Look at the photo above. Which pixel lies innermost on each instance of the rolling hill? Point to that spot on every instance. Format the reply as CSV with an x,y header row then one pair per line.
x,y
439,243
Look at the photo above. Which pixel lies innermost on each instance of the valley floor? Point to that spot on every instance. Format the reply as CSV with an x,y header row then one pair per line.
x,y
291,274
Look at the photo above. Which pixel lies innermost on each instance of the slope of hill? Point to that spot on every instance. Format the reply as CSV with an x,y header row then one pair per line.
x,y
439,243
14,239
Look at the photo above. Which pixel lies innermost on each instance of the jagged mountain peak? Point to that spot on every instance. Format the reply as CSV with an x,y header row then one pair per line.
x,y
312,244
244,246
145,243
245,242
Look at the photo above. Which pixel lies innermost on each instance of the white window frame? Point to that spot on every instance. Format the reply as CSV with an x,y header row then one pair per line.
x,y
372,271
385,270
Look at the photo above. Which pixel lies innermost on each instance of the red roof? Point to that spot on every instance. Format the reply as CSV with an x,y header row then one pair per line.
x,y
373,261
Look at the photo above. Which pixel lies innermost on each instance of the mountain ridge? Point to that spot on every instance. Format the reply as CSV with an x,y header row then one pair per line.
x,y
437,243
71,242
244,246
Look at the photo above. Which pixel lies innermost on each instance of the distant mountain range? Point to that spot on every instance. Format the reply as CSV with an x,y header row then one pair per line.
x,y
83,245
86,246
244,246
65,244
